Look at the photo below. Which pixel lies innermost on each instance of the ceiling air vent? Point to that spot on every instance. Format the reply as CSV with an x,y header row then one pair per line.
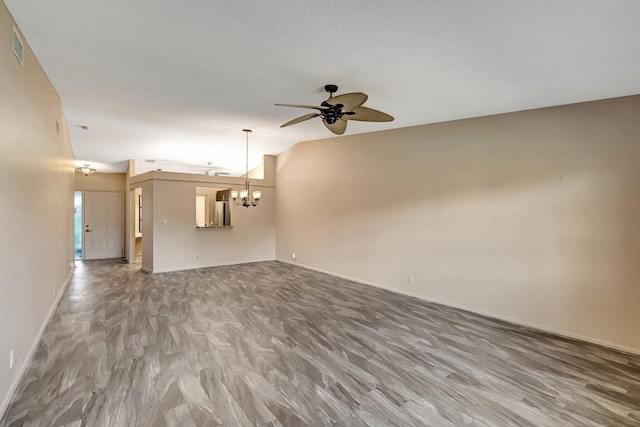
x,y
16,43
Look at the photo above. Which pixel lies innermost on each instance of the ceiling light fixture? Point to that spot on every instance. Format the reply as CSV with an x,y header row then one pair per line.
x,y
86,170
245,200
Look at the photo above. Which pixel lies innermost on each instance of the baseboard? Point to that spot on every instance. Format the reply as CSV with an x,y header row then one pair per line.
x,y
516,322
207,266
26,360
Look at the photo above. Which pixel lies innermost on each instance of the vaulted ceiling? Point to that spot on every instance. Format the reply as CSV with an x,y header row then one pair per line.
x,y
179,80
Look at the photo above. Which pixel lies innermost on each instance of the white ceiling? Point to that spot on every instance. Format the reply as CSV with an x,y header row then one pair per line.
x,y
179,80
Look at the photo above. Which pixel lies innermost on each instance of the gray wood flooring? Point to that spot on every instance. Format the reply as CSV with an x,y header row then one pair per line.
x,y
270,344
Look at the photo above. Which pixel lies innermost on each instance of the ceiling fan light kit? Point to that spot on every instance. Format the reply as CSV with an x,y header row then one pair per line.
x,y
336,110
243,194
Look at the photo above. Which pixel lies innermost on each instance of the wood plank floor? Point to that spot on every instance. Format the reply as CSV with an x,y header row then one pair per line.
x,y
270,344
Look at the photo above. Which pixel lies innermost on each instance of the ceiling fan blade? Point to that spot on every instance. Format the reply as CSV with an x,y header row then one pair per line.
x,y
350,101
301,119
365,114
338,127
300,106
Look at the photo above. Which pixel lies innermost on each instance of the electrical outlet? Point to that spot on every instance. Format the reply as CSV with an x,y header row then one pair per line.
x,y
11,359
293,255
410,279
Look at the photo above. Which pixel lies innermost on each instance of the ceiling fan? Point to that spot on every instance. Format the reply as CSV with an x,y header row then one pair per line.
x,y
336,110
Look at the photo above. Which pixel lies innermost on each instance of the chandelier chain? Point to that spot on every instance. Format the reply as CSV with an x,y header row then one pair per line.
x,y
247,153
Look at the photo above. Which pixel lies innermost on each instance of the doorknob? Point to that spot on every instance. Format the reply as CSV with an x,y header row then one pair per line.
x,y
87,231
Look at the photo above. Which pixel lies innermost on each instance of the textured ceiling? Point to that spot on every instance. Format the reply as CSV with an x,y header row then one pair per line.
x,y
180,80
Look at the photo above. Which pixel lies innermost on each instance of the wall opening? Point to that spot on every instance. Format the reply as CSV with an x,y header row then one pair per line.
x,y
77,224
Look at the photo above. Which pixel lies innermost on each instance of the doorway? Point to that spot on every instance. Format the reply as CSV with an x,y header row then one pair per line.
x,y
77,224
137,225
103,229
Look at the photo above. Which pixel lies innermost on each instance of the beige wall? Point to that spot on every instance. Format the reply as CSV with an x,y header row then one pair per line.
x,y
178,245
101,182
530,216
36,216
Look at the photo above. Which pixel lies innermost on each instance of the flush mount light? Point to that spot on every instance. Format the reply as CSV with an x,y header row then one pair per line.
x,y
86,170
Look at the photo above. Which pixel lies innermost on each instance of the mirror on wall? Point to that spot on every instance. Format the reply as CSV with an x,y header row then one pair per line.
x,y
212,207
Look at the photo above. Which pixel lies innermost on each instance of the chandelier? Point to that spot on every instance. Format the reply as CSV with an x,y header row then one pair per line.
x,y
86,169
243,194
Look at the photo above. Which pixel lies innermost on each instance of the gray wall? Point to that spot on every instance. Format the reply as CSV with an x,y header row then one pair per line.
x,y
530,216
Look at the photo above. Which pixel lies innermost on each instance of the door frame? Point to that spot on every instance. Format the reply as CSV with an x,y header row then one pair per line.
x,y
84,198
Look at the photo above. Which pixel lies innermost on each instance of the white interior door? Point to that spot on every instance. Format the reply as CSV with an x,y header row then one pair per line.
x,y
102,229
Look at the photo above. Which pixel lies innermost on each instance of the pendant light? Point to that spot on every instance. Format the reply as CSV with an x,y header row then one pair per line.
x,y
243,194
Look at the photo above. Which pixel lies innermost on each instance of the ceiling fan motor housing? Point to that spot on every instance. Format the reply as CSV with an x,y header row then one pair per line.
x,y
332,112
